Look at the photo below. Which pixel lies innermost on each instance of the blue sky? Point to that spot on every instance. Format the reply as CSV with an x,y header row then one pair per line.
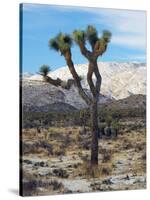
x,y
42,22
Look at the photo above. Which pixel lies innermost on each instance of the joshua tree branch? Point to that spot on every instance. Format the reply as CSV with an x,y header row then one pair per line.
x,y
98,80
99,49
54,82
89,55
70,64
89,79
85,52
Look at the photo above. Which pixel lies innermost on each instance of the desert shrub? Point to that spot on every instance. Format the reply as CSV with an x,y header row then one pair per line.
x,y
60,173
97,187
41,164
105,170
128,144
108,120
29,187
78,137
57,135
115,127
101,129
27,161
140,146
67,141
83,131
35,147
86,144
29,147
59,150
106,155
47,146
56,185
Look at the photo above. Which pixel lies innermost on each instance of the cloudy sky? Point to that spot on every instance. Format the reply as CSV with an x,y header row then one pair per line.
x,y
42,22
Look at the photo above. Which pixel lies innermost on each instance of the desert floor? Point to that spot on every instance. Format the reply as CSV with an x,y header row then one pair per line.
x,y
56,160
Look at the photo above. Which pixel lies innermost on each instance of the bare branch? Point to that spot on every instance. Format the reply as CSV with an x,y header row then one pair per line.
x,y
98,79
85,52
89,79
54,82
70,64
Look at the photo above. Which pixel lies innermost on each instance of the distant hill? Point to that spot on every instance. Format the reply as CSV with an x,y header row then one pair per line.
x,y
124,82
38,96
133,101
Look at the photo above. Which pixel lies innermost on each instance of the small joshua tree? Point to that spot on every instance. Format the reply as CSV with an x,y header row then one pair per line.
x,y
44,70
62,43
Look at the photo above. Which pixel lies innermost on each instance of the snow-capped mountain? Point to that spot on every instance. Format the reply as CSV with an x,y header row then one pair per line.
x,y
119,80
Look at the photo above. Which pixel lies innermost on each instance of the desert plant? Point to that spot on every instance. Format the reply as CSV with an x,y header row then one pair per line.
x,y
44,70
60,173
106,156
62,43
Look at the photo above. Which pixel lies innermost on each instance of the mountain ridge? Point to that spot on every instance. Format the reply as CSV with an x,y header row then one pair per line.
x,y
119,79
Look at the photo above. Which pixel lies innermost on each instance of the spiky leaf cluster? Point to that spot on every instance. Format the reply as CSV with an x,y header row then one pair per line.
x,y
101,44
44,69
62,42
91,34
106,36
54,44
79,36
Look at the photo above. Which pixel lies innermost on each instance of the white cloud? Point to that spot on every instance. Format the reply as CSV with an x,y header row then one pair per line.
x,y
130,41
128,27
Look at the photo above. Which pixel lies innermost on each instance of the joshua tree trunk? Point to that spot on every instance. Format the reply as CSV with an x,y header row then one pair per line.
x,y
95,89
94,144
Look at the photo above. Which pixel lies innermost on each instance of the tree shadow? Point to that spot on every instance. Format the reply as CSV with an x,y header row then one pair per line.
x,y
14,191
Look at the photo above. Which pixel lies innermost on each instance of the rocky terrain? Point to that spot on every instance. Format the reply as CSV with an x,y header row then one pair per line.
x,y
38,95
56,160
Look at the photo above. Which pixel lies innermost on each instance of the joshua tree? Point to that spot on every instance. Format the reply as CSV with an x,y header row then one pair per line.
x,y
62,43
44,70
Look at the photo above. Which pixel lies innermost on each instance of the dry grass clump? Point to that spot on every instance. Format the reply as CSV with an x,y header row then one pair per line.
x,y
30,187
31,184
59,150
37,147
127,144
140,146
89,171
106,155
61,173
